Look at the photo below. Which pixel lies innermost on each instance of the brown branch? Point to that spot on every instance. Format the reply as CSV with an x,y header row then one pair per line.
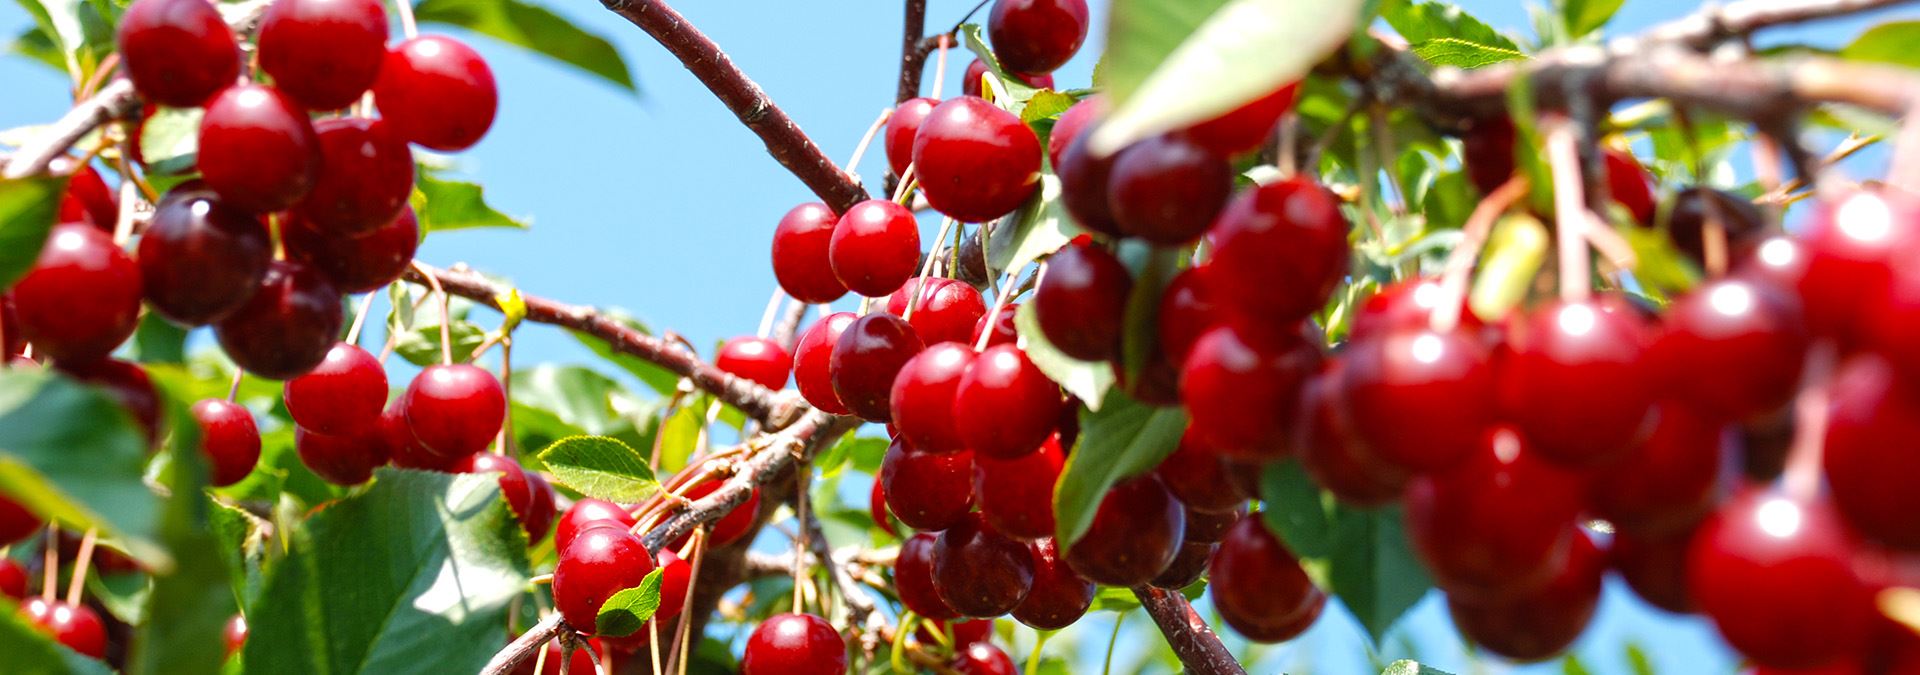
x,y
524,646
913,59
860,607
1736,19
772,457
1192,640
115,101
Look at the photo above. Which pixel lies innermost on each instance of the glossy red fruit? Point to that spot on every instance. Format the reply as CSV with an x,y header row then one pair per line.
x,y
676,578
287,327
1741,222
599,563
975,162
581,663
959,633
1246,127
1135,534
81,298
1187,311
1209,527
1332,455
1004,331
1575,380
1655,567
1668,482
976,70
902,127
1069,125
1241,387
87,199
1005,407
257,149
1187,566
1036,36
877,509
177,52
1279,249
947,310
1418,399
355,264
913,578
541,508
515,488
200,258
1258,587
343,394
1816,608
127,384
731,527
801,245
1059,596
760,360
456,409
229,439
1016,495
404,448
928,491
1198,478
584,512
1733,348
1892,325
980,572
866,360
794,644
922,397
366,174
1497,526
1872,426
75,626
982,658
16,522
813,361
1081,301
1489,159
342,460
1630,185
875,247
13,579
1084,179
323,53
1541,623
1850,247
437,92
1167,189
1408,304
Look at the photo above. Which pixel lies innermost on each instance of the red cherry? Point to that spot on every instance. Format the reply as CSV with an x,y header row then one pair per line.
x,y
1198,478
1187,311
599,563
343,394
1575,380
794,644
877,509
1408,304
1242,386
1167,189
866,360
200,259
1246,127
257,149
1036,36
1084,181
1630,185
1497,526
1059,596
229,439
437,92
913,578
1068,127
581,664
802,243
980,572
961,633
456,409
922,397
1740,220
16,522
813,359
1004,331
1333,455
1850,247
87,198
1279,249
13,579
1135,534
676,577
1187,566
75,626
762,361
1668,482
287,327
730,527
359,263
1489,157
1016,495
11,344
127,384
366,174
1873,423
1418,399
982,658
177,52
323,53
342,460
584,512
1733,348
875,247
1258,587
81,298
1081,301
926,490
1815,608
1005,407
902,127
975,162
517,488
970,82
947,310
406,450
1541,623
1655,567
541,508
1205,527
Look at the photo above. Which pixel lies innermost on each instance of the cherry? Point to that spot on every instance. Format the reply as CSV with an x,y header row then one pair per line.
x,y
87,199
1630,185
1815,608
323,53
801,246
341,460
1668,482
1872,424
794,644
437,92
1280,249
16,522
676,578
1258,587
1016,495
81,298
759,360
923,393
1575,380
236,634
581,664
1892,323
970,82
913,579
13,579
541,509
1069,125
1497,526
980,572
1489,157
946,310
1084,181
1059,596
1156,382
813,359
200,258
1187,566
455,409
75,626
875,247
1655,567
866,360
1167,189
1416,398
1242,386
404,449
1004,330
960,633
229,439
257,149
1539,624
11,344
1740,221
730,527
597,564
902,127
982,658
127,384
1081,301
1333,455
1408,304
1207,527
1246,127
877,509
177,52
1850,248
358,263
366,175
974,161
1036,36
517,488
345,393
287,327
1005,407
1733,348
1135,534
1187,311
584,512
927,490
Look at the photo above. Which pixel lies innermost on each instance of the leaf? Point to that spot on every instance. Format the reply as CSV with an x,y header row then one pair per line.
x,y
1114,599
170,140
1124,438
28,207
70,454
1661,267
1637,659
1423,20
444,204
862,453
1587,16
1040,227
533,28
242,541
1411,667
192,601
660,379
1463,54
679,435
36,46
1086,380
1140,35
629,609
1890,42
414,575
77,29
581,397
157,340
1515,250
31,652
600,467
1045,104
421,346
1292,507
1372,569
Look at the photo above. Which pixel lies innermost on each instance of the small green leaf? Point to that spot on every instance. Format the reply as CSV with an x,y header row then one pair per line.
x,y
158,340
243,540
629,609
1140,36
69,454
1423,20
31,652
1086,380
1463,54
1372,569
1040,227
1637,659
1114,599
170,140
1045,104
1887,43
1661,267
535,29
851,450
444,204
1125,438
600,467
78,29
28,207
512,307
1411,667
1293,509
421,346
36,46
1587,16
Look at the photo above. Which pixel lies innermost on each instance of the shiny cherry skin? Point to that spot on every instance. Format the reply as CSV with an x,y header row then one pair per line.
x,y
801,245
87,197
581,664
1006,407
1198,478
1417,398
794,644
1016,495
236,634
976,70
867,359
16,522
345,393
366,175
1167,189
1655,567
1060,596
359,263
436,92
1280,249
1135,534
1489,159
1669,481
257,149
1004,330
584,512
1241,387
1333,455
1816,608
1850,248
1081,301
597,564
961,633
229,439
1541,623
1246,127
1575,380
759,360
676,578
177,52
902,127
982,658
922,397
1408,304
200,258
946,310
127,384
913,579
1187,566
287,327
1498,525
76,626
813,360
1209,527
1258,586
455,410
875,247
1630,185
1036,36
928,491
1733,348
1084,181
877,509
980,572
1892,324
1741,222
1069,125
405,449
13,579
341,460
81,298
323,53
975,162
1187,311
731,527
517,488
1872,424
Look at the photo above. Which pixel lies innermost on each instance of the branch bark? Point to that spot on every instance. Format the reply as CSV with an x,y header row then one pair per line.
x,y
1192,640
1737,19
913,59
114,101
525,645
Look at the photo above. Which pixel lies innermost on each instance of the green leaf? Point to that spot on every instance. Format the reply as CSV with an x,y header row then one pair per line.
x,y
1114,599
1423,20
78,30
601,467
1292,507
660,379
1887,43
1045,104
242,541
414,575
444,204
1087,380
1125,438
70,454
28,207
1662,268
1040,227
1587,16
596,404
628,610
421,346
31,652
170,140
1141,34
124,595
863,453
1152,269
157,340
1515,250
679,436
191,601
36,46
1372,569
1637,659
1463,54
1411,667
534,28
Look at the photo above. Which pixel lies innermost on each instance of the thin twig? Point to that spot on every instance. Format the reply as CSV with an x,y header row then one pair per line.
x,y
1195,643
525,645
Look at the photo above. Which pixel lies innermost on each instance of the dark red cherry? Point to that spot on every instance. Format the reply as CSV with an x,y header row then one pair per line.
x,y
455,410
343,394
1016,495
581,663
902,127
1167,189
1081,301
1209,527
801,262
1246,127
1332,454
922,397
1258,586
877,509
366,174
867,358
980,572
1630,185
1667,483
1419,399
947,310
1850,246
1187,566
257,149
200,259
1489,152
541,508
13,579
975,162
437,92
1004,331
1198,477
970,82
1279,249
1498,525
1575,380
358,263
1408,304
1733,348
1242,386
229,439
1068,127
1187,311
587,511
1741,222
1815,609
287,327
177,52
81,298
1135,534
1059,597
813,359
342,460
1872,426
406,450
982,658
1892,324
760,360
913,578
1084,178
926,490
1036,36
794,644
75,626
323,53
875,247
599,563
1655,567
731,527
1005,407
515,487
16,522
960,633
87,198
127,384
1540,623
676,577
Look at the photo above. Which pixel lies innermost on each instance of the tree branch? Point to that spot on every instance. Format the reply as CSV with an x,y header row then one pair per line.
x,y
1192,640
1737,19
114,101
772,457
913,59
524,646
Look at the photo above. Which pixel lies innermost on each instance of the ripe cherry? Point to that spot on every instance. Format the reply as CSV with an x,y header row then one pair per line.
x,y
927,490
960,633
584,512
1543,622
347,459
516,486
813,359
794,644
877,509
1333,455
1741,222
1069,125
971,81
1187,311
1004,330
1135,534
1081,301
88,199
1207,527
236,634
875,247
1873,423
867,359
1084,181
358,263
676,578
1489,157
75,626
81,298
16,522
760,360
13,579
1167,189
366,175
980,572
1733,348
177,52
1246,127
599,563
323,53
801,244
731,527
1417,398
1241,387
1187,566
581,663
437,92
944,310
343,394
287,327
1849,247
1630,185
1279,249
913,578
1575,380
1655,567
127,384
1668,482
1258,587
1036,36
1005,407
975,162
1498,525
1059,597
229,439
456,409
257,149
406,450
982,658
1815,608
1408,304
902,127
922,397
1198,478
200,258
1016,495
1893,321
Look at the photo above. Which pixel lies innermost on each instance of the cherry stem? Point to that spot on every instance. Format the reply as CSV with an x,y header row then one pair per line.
x,y
800,538
653,644
233,388
999,304
360,319
1576,275
129,200
446,308
926,268
859,151
1473,236
50,564
407,26
693,580
80,564
773,307
539,660
939,67
1803,476
905,188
